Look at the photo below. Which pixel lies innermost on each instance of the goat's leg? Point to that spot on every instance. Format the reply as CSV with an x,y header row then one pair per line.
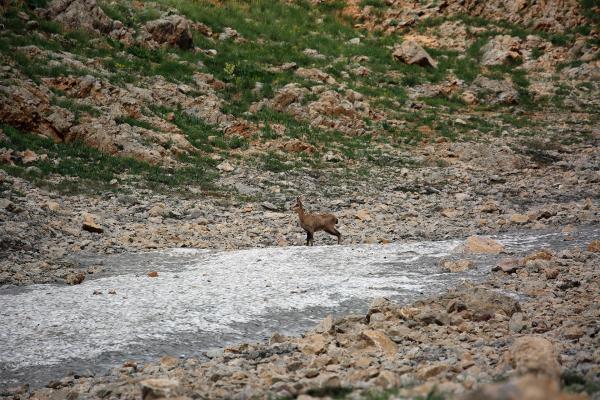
x,y
335,232
309,237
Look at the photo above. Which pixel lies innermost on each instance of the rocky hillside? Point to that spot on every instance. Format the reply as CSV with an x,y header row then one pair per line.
x,y
129,125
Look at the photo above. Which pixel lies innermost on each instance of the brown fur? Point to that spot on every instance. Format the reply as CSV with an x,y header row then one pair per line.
x,y
312,223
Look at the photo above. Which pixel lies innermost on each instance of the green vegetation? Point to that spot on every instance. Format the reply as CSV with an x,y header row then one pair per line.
x,y
272,34
75,167
134,122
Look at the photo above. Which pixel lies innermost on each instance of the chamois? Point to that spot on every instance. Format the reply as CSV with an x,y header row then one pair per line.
x,y
312,223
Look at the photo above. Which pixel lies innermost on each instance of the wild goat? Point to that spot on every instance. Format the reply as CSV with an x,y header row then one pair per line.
x,y
312,223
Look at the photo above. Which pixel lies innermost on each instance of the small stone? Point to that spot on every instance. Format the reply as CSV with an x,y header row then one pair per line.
x,y
519,218
90,225
573,332
75,278
269,206
53,206
225,166
363,215
594,246
158,388
456,266
469,98
152,274
313,344
431,370
534,354
482,245
551,273
518,323
508,265
28,156
382,342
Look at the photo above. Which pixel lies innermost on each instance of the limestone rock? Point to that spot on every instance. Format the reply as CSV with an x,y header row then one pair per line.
x,y
482,245
482,304
528,387
313,344
173,30
456,265
508,265
495,91
75,278
410,52
519,218
90,225
382,342
315,74
159,388
594,246
518,323
79,14
501,49
534,354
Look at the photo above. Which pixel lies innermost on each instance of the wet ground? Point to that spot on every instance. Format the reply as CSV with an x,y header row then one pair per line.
x,y
203,300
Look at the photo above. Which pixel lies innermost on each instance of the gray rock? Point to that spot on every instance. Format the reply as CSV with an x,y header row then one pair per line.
x,y
518,323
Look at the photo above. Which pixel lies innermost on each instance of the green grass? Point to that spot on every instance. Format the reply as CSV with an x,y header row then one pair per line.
x,y
277,32
84,169
135,122
373,3
275,163
78,109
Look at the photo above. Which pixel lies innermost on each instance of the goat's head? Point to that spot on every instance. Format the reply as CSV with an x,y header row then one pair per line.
x,y
298,205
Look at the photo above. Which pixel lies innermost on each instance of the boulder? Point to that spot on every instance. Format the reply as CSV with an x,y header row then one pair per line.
x,y
75,278
383,343
79,14
173,30
518,323
160,388
500,50
456,265
481,304
508,265
528,387
315,74
90,225
519,218
313,344
410,52
25,105
533,354
495,91
594,246
225,166
482,245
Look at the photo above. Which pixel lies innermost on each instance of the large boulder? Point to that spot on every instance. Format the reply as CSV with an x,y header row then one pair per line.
x,y
495,91
482,304
409,52
528,387
533,354
79,14
173,30
26,106
500,50
482,245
